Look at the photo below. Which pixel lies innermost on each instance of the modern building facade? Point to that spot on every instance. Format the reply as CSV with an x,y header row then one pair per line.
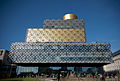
x,y
60,42
115,65
4,57
6,69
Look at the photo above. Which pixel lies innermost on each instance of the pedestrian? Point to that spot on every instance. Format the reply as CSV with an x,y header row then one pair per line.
x,y
103,78
58,77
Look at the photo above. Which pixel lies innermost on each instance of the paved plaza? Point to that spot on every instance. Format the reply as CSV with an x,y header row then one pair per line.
x,y
62,79
83,79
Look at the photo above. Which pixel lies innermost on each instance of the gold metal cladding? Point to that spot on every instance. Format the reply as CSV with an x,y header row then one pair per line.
x,y
56,35
69,16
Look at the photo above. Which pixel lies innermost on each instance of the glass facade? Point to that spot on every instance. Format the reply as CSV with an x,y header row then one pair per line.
x,y
60,52
61,47
70,23
21,69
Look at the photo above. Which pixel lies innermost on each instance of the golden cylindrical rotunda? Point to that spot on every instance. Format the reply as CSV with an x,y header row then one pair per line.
x,y
69,16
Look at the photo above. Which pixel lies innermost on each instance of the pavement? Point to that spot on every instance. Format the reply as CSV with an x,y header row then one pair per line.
x,y
76,79
50,79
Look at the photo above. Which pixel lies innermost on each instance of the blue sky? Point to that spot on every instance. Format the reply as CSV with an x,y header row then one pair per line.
x,y
102,18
